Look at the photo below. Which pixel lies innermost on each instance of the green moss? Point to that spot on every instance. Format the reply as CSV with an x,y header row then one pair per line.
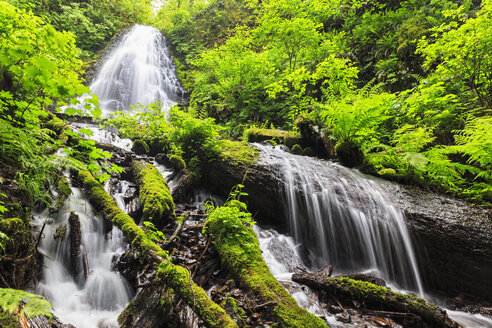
x,y
56,124
179,278
140,147
241,254
32,305
296,149
155,196
368,292
176,277
236,312
277,136
388,172
177,162
63,187
308,151
239,153
60,232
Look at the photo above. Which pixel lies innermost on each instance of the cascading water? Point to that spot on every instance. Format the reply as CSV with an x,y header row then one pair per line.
x,y
342,218
138,71
95,295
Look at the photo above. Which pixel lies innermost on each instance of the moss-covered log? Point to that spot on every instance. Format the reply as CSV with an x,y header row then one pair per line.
x,y
64,191
289,138
375,297
240,252
155,196
175,277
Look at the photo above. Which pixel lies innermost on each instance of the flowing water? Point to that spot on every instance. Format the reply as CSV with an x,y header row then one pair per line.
x,y
95,295
139,70
344,219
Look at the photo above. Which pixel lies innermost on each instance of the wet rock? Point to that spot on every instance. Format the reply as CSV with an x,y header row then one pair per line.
x,y
335,309
454,239
343,317
486,311
140,147
163,159
60,232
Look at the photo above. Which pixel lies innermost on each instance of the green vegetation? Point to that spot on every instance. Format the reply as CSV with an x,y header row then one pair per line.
x,y
93,23
240,253
21,303
399,86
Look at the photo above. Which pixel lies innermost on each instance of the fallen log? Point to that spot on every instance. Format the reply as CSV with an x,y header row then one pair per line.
x,y
155,196
172,276
240,253
64,191
75,244
376,297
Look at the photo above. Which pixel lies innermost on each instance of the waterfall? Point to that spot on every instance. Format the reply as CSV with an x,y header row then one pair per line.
x,y
342,218
83,288
138,71
95,296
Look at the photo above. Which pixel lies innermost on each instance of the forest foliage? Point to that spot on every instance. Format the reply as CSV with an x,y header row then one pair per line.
x,y
408,83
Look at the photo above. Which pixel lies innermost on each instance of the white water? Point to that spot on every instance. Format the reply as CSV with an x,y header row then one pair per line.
x,y
341,218
85,303
138,71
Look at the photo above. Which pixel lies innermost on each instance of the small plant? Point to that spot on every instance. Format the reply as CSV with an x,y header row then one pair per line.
x,y
153,233
233,218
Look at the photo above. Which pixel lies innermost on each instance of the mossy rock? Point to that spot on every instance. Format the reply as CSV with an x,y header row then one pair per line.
x,y
387,173
349,154
275,135
140,147
177,162
238,152
308,151
296,149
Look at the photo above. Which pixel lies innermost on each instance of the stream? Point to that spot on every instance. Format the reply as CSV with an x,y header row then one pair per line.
x,y
334,215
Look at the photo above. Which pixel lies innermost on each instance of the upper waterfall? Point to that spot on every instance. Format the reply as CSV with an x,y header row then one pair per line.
x,y
139,70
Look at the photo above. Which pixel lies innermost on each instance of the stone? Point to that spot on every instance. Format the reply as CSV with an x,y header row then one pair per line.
x,y
343,317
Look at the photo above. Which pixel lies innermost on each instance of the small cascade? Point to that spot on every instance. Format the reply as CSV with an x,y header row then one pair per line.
x,y
77,275
139,70
342,218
